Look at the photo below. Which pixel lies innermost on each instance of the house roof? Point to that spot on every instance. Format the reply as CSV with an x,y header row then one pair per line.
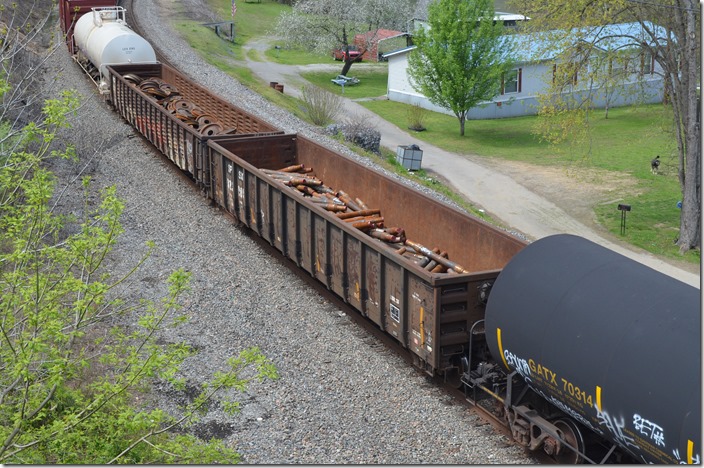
x,y
380,34
398,52
546,45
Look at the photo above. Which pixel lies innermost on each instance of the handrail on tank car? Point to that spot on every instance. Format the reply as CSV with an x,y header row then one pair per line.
x,y
116,13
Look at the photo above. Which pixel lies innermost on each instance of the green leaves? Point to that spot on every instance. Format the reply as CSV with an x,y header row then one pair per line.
x,y
461,57
69,385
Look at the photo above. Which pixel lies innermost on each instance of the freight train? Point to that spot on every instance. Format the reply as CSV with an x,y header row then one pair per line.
x,y
585,354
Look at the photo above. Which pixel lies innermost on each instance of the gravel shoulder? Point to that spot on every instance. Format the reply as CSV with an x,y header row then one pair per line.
x,y
342,397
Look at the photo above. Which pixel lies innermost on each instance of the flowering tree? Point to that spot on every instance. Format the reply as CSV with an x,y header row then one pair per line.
x,y
324,25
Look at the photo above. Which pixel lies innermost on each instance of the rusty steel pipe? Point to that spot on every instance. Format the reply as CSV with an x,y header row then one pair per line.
x,y
301,181
384,236
432,255
326,190
369,224
361,204
439,269
348,201
355,214
294,168
362,218
333,207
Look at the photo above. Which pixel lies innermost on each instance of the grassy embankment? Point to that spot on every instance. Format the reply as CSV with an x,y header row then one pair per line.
x,y
621,145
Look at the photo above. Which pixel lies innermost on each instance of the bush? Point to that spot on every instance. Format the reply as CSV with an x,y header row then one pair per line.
x,y
321,106
358,131
416,115
67,380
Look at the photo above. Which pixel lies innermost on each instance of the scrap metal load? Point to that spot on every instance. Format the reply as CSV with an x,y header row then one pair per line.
x,y
168,96
360,216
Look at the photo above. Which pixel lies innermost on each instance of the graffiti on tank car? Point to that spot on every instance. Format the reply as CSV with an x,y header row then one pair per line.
x,y
696,459
649,429
615,427
518,363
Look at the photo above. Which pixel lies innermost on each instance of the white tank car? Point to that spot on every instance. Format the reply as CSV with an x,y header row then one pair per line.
x,y
103,38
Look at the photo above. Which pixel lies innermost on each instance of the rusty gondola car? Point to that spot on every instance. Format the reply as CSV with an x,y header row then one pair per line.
x,y
428,313
172,130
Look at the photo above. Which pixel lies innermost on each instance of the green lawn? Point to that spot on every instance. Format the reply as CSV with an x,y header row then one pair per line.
x,y
372,83
253,20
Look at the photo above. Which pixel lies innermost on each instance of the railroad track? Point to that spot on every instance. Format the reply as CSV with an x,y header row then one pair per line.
x,y
368,327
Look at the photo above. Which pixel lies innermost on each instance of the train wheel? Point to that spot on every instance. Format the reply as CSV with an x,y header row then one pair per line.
x,y
570,434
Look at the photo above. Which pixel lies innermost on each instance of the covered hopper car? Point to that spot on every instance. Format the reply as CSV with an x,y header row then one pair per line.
x,y
586,355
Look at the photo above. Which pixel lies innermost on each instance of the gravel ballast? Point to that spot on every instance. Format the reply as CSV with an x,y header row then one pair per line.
x,y
341,397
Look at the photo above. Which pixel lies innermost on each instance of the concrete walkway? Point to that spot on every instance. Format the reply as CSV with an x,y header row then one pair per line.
x,y
501,196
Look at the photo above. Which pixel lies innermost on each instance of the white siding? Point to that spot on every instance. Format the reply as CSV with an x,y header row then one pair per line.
x,y
535,78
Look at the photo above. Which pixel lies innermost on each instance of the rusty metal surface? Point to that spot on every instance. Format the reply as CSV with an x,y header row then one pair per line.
x,y
175,134
428,313
426,309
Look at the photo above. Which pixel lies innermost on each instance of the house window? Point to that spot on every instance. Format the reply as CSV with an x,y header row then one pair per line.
x,y
512,82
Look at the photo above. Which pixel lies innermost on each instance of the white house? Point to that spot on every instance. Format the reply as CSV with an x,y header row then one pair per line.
x,y
640,76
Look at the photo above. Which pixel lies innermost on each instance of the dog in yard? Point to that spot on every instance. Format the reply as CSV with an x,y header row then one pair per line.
x,y
655,164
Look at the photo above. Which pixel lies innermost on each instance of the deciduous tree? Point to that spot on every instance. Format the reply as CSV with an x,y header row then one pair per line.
x,y
459,60
68,378
672,36
324,25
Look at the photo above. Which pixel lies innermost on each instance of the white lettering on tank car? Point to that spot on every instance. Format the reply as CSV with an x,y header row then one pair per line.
x,y
649,429
615,427
520,364
695,458
569,411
